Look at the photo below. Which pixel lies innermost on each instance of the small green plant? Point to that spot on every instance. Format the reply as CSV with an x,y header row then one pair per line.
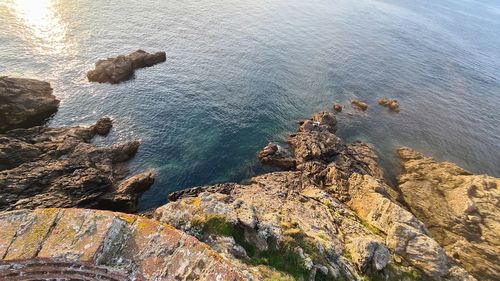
x,y
371,228
217,224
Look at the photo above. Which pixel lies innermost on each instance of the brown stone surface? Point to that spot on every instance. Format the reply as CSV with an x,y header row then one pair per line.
x,y
461,210
86,244
25,102
121,68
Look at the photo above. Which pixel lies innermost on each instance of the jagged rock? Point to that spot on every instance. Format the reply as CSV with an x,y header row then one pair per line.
x,y
59,167
78,244
392,104
121,68
273,210
274,155
315,139
127,193
359,104
25,102
460,209
315,145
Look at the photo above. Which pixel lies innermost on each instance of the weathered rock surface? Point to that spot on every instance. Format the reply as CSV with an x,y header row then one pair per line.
x,y
60,167
461,210
330,218
78,244
121,68
25,102
281,226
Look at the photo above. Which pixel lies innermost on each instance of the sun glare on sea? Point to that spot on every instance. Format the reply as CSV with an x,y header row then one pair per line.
x,y
41,25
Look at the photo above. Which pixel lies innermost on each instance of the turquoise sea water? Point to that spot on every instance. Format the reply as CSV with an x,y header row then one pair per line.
x,y
241,73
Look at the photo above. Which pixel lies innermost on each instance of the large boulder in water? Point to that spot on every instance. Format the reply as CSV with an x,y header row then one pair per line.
x,y
121,68
25,102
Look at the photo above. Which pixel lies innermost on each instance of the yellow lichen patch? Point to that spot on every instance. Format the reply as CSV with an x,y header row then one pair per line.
x,y
196,202
129,219
48,211
142,224
32,234
78,234
9,222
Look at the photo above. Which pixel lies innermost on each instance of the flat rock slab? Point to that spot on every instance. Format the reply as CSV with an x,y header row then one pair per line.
x,y
25,102
81,244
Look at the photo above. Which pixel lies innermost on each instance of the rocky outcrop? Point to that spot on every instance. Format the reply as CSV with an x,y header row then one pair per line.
x,y
281,226
121,68
60,167
25,102
329,219
78,244
460,210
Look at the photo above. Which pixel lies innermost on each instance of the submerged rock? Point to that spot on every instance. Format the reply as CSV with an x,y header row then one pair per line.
x,y
25,102
78,244
461,210
60,167
392,104
337,107
359,104
121,68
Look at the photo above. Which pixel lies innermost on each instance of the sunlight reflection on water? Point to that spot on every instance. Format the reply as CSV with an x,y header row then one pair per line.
x,y
43,29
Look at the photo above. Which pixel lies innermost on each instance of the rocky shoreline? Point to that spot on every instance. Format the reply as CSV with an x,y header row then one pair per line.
x,y
60,167
328,215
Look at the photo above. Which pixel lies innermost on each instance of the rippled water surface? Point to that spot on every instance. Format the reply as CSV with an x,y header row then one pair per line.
x,y
241,73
